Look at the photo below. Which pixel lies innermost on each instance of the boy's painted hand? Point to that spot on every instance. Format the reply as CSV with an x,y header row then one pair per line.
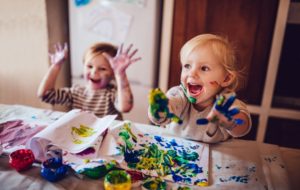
x,y
60,54
122,60
158,102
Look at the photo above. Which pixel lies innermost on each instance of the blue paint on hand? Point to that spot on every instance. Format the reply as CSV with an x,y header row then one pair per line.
x,y
222,105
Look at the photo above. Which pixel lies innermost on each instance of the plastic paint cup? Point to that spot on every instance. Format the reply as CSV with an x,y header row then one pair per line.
x,y
117,180
21,159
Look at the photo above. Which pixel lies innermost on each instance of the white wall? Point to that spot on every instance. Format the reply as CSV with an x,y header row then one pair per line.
x,y
23,50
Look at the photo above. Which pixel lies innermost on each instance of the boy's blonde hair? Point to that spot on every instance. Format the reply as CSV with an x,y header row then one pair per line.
x,y
97,49
221,48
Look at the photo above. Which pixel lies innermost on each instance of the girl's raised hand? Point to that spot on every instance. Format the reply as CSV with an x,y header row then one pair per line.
x,y
222,114
60,54
122,60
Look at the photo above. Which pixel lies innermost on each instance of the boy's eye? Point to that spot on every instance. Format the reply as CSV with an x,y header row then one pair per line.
x,y
204,68
101,69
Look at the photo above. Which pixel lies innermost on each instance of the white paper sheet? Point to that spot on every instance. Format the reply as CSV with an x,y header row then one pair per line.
x,y
74,132
173,159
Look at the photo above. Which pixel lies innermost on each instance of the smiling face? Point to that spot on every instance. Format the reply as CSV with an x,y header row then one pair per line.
x,y
98,72
203,76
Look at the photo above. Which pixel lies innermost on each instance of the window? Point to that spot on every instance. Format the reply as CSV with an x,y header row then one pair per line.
x,y
279,113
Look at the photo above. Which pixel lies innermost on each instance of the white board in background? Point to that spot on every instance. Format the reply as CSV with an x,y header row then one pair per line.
x,y
143,33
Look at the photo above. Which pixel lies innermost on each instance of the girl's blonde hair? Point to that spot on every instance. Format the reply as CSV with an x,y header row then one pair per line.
x,y
97,49
221,48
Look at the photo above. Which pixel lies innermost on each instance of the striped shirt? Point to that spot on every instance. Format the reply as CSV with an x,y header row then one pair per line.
x,y
101,102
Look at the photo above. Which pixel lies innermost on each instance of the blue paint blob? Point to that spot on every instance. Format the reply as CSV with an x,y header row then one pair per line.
x,y
194,168
79,3
202,121
239,121
132,156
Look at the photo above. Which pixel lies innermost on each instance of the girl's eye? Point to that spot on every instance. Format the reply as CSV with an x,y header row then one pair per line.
x,y
204,68
89,66
187,66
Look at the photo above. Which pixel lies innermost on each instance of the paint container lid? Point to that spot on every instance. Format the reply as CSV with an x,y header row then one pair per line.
x,y
117,180
95,173
137,178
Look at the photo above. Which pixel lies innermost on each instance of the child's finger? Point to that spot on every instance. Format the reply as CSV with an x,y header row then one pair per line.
x,y
136,59
130,62
59,46
229,102
133,53
233,112
220,100
55,47
50,55
210,115
120,49
128,49
65,47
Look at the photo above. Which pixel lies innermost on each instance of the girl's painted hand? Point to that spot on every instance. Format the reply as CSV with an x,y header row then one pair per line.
x,y
158,102
222,115
60,54
122,60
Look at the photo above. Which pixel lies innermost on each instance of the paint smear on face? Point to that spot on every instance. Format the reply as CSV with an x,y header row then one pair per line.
x,y
214,83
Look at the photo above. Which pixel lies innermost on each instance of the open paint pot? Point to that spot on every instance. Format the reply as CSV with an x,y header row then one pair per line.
x,y
21,159
117,180
154,184
53,169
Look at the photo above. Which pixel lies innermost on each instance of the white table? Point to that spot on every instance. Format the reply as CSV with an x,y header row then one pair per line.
x,y
272,166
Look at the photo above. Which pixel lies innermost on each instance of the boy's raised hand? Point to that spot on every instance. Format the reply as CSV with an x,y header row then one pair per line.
x,y
122,60
60,54
158,102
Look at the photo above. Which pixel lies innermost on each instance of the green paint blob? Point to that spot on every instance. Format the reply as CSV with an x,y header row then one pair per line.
x,y
117,177
191,99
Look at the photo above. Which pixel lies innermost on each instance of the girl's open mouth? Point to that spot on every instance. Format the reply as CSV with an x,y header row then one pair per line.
x,y
194,89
